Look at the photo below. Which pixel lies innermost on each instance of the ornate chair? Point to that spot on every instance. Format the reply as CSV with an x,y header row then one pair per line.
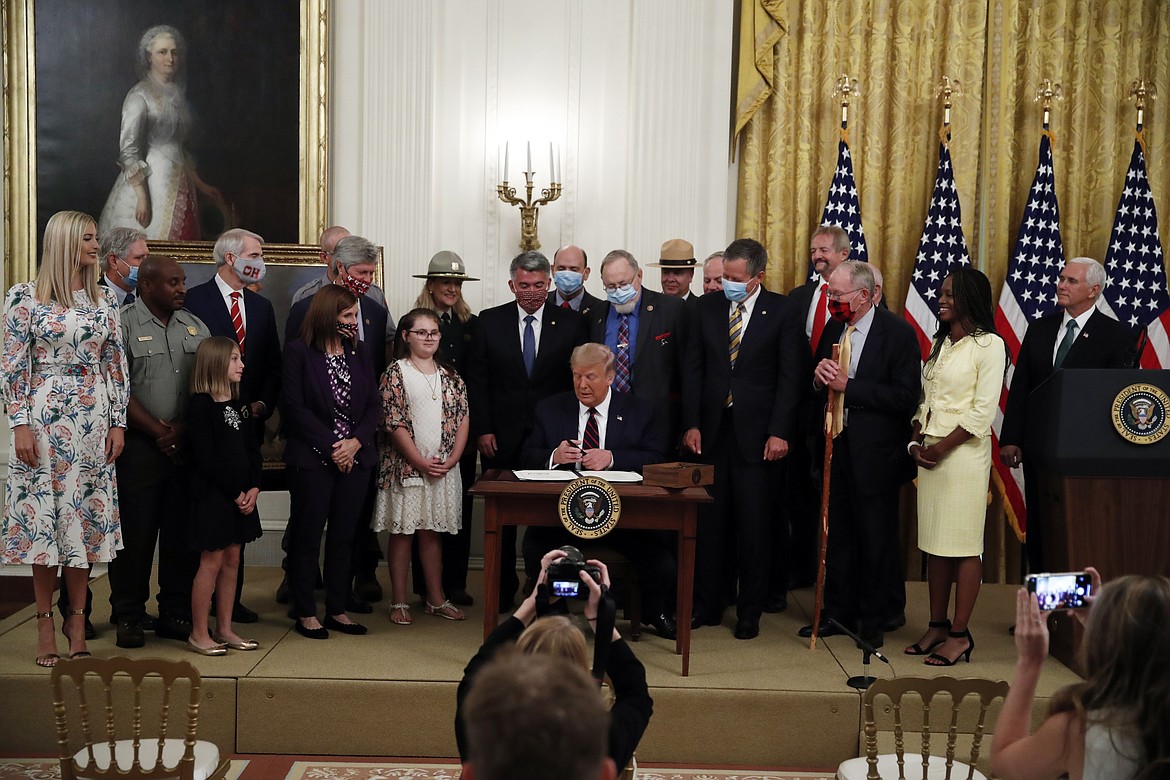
x,y
138,700
941,709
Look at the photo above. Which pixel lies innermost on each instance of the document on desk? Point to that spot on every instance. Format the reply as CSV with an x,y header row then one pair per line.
x,y
564,475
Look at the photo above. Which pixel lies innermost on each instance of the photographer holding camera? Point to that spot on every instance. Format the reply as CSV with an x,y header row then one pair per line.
x,y
557,635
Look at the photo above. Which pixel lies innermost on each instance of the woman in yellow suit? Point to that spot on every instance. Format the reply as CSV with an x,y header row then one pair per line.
x,y
962,380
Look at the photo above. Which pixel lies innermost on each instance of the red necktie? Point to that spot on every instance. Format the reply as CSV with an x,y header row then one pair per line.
x,y
565,305
238,320
819,319
592,438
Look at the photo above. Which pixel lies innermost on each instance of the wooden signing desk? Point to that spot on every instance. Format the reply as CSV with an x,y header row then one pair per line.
x,y
511,502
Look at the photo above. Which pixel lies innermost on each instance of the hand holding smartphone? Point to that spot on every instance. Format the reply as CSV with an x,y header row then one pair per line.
x,y
1065,590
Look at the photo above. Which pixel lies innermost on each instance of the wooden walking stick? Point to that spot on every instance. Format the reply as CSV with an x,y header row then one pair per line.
x,y
820,598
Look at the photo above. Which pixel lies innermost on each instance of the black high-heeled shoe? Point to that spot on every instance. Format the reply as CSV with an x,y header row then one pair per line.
x,y
915,649
936,659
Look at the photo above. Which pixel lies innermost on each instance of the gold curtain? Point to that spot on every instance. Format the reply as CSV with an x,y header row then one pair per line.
x,y
999,51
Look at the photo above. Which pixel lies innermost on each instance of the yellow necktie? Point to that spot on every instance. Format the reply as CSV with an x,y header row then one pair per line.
x,y
839,401
734,333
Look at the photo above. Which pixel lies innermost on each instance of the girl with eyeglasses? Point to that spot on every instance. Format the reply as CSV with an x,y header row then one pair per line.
x,y
424,411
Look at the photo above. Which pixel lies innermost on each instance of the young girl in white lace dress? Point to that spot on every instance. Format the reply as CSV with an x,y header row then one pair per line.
x,y
424,410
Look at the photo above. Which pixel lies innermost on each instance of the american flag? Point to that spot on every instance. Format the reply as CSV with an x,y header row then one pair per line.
x,y
941,248
1029,292
1135,291
843,208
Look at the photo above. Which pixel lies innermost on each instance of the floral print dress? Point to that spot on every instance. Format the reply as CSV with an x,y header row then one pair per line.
x,y
63,374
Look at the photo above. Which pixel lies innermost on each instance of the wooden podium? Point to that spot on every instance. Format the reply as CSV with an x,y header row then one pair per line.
x,y
1104,500
509,501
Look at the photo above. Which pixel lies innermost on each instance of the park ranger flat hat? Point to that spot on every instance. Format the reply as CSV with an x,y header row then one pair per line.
x,y
676,253
446,265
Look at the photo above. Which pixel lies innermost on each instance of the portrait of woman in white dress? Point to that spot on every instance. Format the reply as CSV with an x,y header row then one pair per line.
x,y
157,188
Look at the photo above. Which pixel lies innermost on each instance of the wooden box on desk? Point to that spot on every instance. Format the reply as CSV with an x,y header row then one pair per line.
x,y
678,475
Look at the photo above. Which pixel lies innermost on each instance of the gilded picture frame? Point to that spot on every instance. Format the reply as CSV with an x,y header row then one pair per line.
x,y
20,73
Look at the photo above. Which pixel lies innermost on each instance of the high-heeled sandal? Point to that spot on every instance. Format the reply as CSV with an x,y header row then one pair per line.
x,y
75,613
48,660
400,614
916,649
936,659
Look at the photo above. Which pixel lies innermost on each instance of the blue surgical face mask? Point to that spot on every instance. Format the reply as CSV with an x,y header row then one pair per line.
x,y
131,279
623,294
568,282
735,291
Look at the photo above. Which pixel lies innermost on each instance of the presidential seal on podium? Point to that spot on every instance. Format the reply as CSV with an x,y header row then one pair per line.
x,y
589,507
1139,413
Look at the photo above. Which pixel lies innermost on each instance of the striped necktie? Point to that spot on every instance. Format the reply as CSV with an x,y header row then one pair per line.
x,y
621,380
734,335
843,362
592,438
238,320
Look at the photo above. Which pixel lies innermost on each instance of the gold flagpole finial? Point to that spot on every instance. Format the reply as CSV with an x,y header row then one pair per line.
x,y
1048,92
1142,91
948,89
845,87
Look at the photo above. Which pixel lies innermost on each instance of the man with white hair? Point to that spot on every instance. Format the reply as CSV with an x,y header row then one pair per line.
x,y
328,242
1080,336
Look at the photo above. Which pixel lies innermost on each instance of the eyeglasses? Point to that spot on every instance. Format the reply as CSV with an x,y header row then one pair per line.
x,y
425,335
833,296
616,287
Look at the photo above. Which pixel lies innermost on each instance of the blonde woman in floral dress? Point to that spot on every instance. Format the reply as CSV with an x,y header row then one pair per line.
x,y
424,409
65,391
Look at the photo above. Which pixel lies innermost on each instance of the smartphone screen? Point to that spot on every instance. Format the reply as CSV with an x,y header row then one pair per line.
x,y
1068,590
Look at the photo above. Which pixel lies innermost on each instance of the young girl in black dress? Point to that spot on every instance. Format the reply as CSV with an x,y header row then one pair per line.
x,y
224,485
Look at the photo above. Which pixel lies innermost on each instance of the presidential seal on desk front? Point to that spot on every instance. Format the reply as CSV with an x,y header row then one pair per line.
x,y
589,507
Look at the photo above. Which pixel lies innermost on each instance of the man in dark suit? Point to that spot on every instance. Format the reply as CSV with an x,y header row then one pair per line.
x,y
877,384
743,372
231,310
828,248
595,429
519,355
1079,337
644,330
570,267
356,260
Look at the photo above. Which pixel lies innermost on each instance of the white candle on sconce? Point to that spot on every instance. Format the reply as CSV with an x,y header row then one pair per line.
x,y
529,170
558,164
552,168
505,161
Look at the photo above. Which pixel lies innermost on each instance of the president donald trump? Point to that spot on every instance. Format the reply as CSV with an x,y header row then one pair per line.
x,y
595,428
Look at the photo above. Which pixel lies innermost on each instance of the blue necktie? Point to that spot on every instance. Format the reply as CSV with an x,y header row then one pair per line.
x,y
529,345
128,300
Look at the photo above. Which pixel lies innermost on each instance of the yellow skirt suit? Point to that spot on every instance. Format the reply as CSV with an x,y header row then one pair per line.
x,y
960,389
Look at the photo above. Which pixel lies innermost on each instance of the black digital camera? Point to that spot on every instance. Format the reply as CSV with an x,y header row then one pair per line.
x,y
564,574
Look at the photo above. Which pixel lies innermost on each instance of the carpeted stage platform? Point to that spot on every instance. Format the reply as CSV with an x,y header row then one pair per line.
x,y
766,702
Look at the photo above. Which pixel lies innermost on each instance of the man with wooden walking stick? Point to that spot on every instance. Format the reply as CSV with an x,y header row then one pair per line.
x,y
876,386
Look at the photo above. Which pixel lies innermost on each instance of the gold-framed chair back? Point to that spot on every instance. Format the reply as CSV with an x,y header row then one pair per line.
x,y
939,710
133,719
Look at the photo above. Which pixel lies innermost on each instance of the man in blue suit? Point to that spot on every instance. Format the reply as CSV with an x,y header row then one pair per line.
x,y
230,309
595,428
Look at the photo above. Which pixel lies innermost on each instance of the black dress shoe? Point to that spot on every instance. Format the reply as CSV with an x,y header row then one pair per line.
x,y
776,604
368,589
354,603
699,619
356,629
282,590
90,630
826,629
664,626
173,627
241,614
747,628
460,597
875,638
310,633
130,634
895,622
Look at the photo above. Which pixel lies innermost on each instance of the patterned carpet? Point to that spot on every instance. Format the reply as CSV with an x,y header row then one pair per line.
x,y
47,769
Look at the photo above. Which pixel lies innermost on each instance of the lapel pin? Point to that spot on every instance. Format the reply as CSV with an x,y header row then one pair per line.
x,y
619,417
650,308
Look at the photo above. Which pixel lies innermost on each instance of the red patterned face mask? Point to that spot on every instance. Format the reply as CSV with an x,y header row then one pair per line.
x,y
840,310
531,300
352,283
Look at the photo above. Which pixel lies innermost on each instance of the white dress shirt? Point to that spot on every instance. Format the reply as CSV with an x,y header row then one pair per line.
x,y
535,326
602,416
1082,320
226,291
